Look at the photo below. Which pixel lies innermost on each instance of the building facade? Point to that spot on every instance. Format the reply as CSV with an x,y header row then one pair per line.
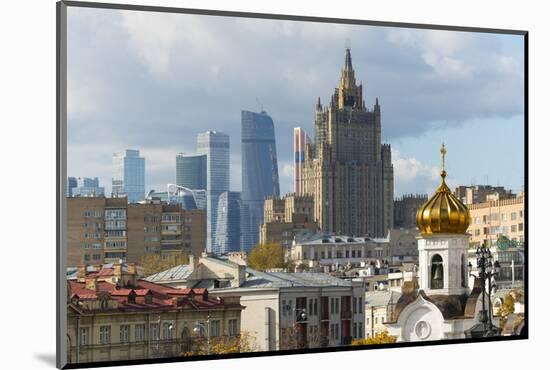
x,y
104,230
494,219
191,171
286,217
348,170
128,175
72,183
112,315
282,310
228,228
260,173
215,145
300,141
404,210
482,193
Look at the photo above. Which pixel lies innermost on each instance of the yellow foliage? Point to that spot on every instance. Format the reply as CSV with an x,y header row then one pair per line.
x,y
222,345
266,256
379,338
154,263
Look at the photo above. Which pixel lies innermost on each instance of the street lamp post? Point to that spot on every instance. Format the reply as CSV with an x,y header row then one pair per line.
x,y
486,272
206,327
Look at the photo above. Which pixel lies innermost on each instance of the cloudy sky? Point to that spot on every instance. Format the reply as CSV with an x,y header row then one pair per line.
x,y
152,81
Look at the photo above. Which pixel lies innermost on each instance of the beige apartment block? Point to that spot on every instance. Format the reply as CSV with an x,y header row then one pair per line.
x,y
490,220
107,230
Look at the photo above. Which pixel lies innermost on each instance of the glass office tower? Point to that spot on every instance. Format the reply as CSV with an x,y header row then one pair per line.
x,y
215,145
71,184
129,175
191,171
228,226
260,176
88,187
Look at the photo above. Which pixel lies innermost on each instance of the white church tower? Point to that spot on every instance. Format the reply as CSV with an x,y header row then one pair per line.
x,y
443,242
440,305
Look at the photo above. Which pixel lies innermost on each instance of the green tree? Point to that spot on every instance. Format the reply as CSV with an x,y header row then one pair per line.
x,y
154,263
379,338
266,256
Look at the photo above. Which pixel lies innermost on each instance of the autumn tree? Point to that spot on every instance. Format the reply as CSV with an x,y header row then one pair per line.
x,y
382,337
154,263
242,343
266,256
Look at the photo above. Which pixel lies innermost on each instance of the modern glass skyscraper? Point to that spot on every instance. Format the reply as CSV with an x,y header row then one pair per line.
x,y
129,175
260,175
88,187
71,184
191,171
216,147
228,225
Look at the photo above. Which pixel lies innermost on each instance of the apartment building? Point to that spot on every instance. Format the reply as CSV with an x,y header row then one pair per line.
x,y
104,230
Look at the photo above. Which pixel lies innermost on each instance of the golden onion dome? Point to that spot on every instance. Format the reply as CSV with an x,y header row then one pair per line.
x,y
443,213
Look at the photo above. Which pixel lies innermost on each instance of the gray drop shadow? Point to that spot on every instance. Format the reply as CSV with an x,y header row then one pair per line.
x,y
47,358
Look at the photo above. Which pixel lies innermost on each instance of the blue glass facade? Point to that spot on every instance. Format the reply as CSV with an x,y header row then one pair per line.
x,y
216,147
191,171
228,225
260,175
87,187
129,175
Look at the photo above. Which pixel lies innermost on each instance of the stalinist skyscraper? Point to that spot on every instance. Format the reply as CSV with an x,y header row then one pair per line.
x,y
347,170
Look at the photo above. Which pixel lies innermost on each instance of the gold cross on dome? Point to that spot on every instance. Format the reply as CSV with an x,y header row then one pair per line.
x,y
443,152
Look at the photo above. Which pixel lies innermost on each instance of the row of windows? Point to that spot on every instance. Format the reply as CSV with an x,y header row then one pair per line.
x,y
92,214
357,304
115,214
116,244
358,330
498,216
155,332
95,225
334,331
95,257
94,246
92,236
499,229
344,254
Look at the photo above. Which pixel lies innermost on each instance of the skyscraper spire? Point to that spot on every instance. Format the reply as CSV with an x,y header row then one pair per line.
x,y
347,66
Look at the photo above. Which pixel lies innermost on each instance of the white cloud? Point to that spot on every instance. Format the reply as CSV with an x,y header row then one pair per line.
x,y
409,169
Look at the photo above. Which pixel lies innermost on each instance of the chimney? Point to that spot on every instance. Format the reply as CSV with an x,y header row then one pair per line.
x,y
91,283
81,273
131,268
117,269
193,261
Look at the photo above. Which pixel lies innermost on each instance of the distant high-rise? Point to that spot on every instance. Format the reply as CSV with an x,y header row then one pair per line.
x,y
129,175
300,141
260,175
216,147
348,171
71,184
191,171
228,226
88,187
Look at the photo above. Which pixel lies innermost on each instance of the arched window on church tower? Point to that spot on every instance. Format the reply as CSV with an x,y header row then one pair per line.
x,y
436,281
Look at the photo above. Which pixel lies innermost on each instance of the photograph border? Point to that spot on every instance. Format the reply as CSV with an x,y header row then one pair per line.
x,y
61,175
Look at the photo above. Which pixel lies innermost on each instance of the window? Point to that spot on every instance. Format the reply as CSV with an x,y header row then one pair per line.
x,y
310,307
140,333
360,310
315,310
337,329
520,227
166,330
215,328
513,216
437,272
360,330
514,228
124,333
86,257
463,272
520,214
83,336
503,216
233,327
354,305
283,307
154,332
96,257
337,304
104,334
477,232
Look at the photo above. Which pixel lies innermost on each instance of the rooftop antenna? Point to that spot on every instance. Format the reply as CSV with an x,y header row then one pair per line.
x,y
260,105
